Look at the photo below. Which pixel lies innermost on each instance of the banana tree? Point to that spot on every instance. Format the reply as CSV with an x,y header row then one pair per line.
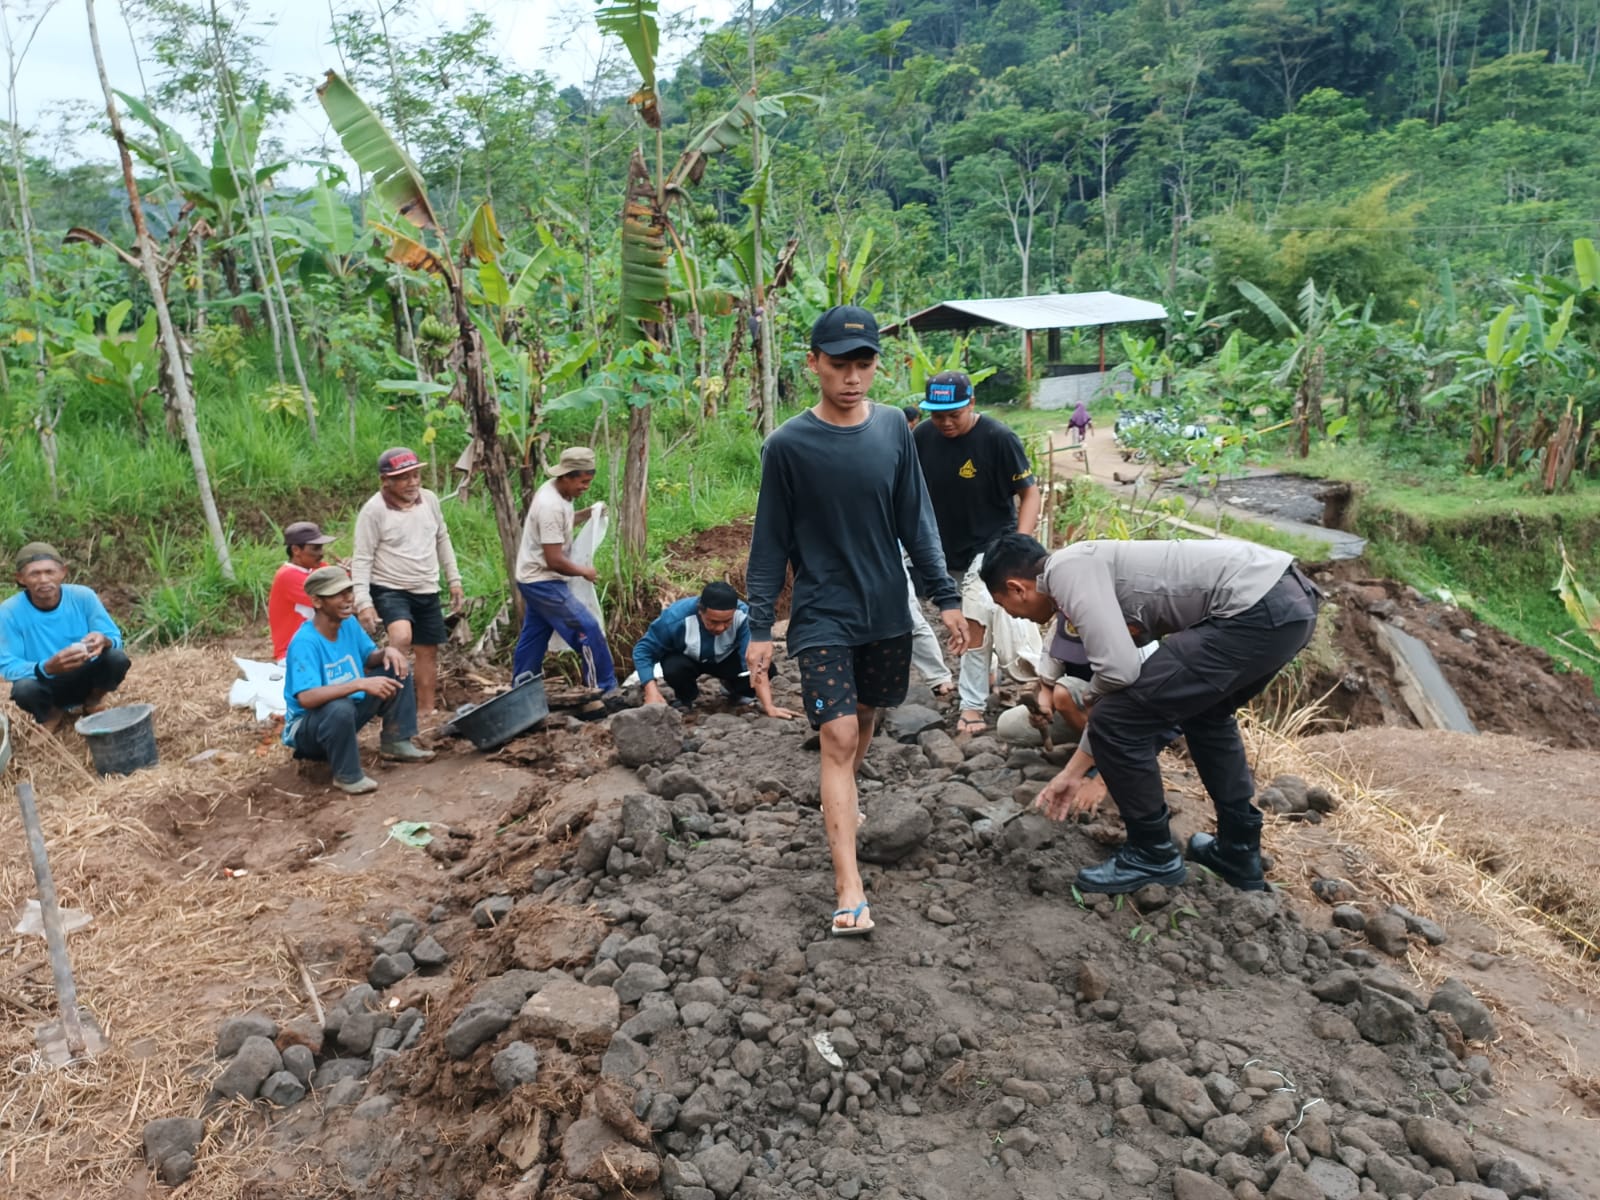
x,y
1303,369
648,237
208,188
397,184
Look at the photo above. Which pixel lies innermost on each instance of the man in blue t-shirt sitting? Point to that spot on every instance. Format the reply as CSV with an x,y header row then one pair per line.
x,y
704,635
58,646
336,680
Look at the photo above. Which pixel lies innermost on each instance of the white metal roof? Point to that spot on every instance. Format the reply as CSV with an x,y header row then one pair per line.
x,y
1064,310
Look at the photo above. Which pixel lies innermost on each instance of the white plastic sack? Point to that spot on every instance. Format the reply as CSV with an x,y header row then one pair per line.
x,y
583,553
32,922
260,689
1018,645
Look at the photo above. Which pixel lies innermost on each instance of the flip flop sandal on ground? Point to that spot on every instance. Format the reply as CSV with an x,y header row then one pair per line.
x,y
971,725
837,930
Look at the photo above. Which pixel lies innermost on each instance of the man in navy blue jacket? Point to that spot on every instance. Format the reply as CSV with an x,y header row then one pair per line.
x,y
702,635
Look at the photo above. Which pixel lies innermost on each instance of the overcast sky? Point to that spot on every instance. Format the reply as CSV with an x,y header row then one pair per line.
x,y
555,36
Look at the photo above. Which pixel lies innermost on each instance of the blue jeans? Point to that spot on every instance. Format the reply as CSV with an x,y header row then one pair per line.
x,y
551,609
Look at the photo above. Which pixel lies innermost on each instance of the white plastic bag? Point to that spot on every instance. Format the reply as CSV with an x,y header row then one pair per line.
x,y
583,553
1017,645
261,688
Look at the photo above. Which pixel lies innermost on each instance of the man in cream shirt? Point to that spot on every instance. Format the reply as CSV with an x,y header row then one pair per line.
x,y
544,567
402,544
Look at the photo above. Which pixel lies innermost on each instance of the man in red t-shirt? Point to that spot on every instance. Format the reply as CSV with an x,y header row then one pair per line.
x,y
288,606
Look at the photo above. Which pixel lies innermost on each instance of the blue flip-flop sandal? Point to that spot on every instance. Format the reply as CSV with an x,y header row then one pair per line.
x,y
837,930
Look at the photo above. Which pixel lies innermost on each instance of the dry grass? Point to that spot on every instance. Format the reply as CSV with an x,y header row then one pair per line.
x,y
1409,859
171,945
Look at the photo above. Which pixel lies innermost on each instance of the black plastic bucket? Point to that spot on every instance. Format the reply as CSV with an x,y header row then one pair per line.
x,y
497,721
121,740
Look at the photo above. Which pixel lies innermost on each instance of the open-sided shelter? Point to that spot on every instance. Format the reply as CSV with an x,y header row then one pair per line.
x,y
1061,385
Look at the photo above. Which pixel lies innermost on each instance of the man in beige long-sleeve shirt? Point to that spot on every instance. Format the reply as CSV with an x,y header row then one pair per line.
x,y
402,543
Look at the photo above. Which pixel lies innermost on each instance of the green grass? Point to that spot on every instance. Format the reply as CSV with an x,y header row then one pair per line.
x,y
1431,487
128,513
1488,544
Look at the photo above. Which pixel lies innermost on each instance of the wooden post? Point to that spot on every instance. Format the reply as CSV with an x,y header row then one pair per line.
x,y
1102,349
1048,507
50,915
1027,367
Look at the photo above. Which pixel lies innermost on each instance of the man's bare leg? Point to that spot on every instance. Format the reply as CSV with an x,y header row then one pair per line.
x,y
399,633
866,726
842,750
427,659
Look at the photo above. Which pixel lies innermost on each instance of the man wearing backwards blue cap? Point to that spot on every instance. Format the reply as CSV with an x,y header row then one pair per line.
x,y
981,485
840,493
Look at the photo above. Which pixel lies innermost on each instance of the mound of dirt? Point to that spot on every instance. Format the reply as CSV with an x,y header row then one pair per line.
x,y
1546,848
1506,686
663,960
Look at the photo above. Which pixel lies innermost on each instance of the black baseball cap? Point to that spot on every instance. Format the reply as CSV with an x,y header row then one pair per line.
x,y
844,330
948,390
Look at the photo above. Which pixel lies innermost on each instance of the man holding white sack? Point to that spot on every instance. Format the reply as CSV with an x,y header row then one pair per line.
x,y
545,569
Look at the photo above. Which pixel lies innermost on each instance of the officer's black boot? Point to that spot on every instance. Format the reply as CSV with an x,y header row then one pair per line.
x,y
1150,856
1234,854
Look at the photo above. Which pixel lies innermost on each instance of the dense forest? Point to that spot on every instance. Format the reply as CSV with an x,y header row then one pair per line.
x,y
1002,148
1369,221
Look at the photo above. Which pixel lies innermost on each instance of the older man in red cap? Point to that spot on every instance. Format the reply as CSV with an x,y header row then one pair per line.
x,y
288,606
402,544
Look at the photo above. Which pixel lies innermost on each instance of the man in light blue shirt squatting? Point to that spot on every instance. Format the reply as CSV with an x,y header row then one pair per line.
x,y
702,635
336,680
58,646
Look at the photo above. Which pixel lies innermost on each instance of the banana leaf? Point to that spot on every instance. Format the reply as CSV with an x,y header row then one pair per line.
x,y
483,234
633,23
395,178
1581,604
645,284
332,219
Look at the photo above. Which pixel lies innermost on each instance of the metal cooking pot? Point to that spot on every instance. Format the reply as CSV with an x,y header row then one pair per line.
x,y
495,722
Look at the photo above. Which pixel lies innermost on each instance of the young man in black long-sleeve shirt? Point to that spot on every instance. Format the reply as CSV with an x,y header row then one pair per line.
x,y
841,491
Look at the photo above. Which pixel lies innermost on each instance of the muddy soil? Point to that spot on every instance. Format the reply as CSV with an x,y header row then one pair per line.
x,y
1290,496
1507,687
998,1035
1549,849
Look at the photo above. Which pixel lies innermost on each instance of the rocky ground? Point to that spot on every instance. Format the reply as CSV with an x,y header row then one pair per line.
x,y
638,998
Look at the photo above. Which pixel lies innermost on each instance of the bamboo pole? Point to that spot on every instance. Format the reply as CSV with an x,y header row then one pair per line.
x,y
55,937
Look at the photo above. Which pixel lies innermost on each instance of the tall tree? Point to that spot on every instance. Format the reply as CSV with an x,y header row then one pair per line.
x,y
147,255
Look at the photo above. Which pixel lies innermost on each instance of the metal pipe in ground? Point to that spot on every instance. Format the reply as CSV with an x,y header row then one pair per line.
x,y
55,937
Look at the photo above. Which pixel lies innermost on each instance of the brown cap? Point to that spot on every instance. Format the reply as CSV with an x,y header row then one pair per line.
x,y
397,460
575,460
305,533
328,581
34,551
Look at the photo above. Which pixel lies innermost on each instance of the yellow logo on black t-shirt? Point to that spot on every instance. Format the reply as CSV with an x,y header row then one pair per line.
x,y
968,471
